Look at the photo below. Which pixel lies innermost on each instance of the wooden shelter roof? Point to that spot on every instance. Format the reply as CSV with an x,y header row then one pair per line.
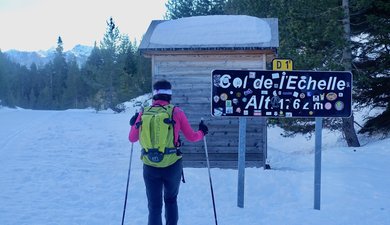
x,y
212,33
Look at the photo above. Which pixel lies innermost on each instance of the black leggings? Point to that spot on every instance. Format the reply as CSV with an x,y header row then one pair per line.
x,y
158,180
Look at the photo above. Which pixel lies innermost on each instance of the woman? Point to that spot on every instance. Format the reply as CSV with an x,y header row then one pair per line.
x,y
163,166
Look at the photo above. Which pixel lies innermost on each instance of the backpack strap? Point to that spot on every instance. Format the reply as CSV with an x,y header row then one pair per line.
x,y
173,130
171,121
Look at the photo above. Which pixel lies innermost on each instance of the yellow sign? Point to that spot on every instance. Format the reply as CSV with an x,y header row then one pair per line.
x,y
282,64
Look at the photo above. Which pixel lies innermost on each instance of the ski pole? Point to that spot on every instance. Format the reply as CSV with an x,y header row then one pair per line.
x,y
211,183
136,104
127,186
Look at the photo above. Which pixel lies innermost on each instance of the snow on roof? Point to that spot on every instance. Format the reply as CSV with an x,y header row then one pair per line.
x,y
205,32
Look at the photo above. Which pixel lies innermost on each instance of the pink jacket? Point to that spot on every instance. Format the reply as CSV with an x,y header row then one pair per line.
x,y
181,125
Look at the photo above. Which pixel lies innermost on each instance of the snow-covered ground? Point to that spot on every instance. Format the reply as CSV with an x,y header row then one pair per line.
x,y
70,168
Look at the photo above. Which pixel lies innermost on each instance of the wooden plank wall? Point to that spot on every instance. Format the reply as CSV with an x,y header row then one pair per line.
x,y
190,76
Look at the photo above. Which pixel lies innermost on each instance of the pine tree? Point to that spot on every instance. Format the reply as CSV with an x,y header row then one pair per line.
x,y
90,72
105,70
348,123
58,76
23,87
128,80
8,81
310,33
45,100
217,7
35,86
110,70
72,94
370,24
179,8
186,8
4,85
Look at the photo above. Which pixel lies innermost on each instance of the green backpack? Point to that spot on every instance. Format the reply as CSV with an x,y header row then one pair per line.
x,y
157,136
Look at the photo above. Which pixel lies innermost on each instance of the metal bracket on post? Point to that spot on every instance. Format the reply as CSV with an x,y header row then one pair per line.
x,y
317,164
241,162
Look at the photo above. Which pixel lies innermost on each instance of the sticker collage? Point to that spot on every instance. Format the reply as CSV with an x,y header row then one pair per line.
x,y
281,94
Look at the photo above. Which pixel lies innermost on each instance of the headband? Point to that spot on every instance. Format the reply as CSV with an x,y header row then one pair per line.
x,y
162,91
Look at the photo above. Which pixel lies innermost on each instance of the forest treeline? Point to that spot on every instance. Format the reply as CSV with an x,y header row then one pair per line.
x,y
322,35
114,73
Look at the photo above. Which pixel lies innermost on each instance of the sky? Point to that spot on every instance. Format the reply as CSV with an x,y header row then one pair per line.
x,y
32,25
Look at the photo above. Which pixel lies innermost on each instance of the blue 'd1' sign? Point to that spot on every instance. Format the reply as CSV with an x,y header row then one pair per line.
x,y
281,93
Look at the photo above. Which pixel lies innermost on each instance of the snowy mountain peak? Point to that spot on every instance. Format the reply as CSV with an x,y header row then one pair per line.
x,y
42,57
81,50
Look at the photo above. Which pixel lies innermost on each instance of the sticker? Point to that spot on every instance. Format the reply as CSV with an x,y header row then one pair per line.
x,y
275,76
316,98
224,96
288,114
281,113
268,113
228,103
303,77
339,105
216,98
275,113
257,112
244,99
322,96
235,101
331,96
218,112
264,92
245,112
248,92
276,86
229,110
252,75
216,80
311,113
287,93
302,95
231,92
275,101
238,94
237,82
341,94
328,106
238,110
309,94
295,94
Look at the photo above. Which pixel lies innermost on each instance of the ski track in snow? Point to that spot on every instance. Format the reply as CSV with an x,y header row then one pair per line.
x,y
62,163
70,168
23,124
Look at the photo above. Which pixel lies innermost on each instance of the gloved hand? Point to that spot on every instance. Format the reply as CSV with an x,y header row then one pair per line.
x,y
133,119
203,128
